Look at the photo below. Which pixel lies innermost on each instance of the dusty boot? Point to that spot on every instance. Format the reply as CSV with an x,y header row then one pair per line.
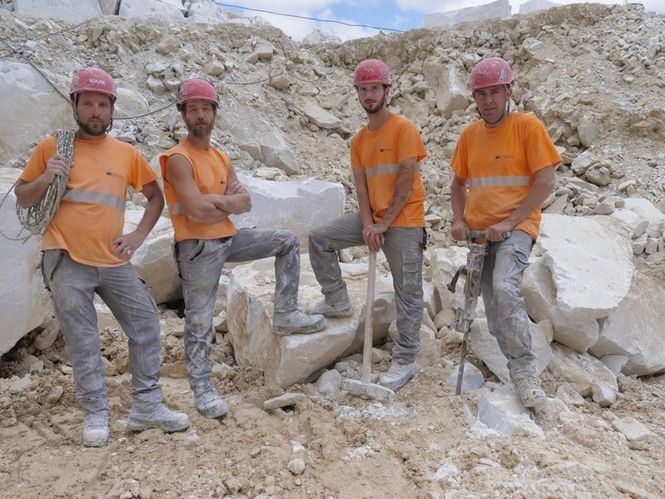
x,y
96,429
331,310
157,416
530,392
398,375
209,403
285,323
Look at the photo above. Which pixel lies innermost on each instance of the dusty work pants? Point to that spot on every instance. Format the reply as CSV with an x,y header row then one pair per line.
x,y
73,287
403,248
200,264
505,308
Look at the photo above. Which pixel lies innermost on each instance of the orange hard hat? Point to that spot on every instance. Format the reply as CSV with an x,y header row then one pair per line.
x,y
92,80
371,71
490,72
196,88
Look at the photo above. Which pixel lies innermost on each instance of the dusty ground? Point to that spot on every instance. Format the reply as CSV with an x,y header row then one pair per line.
x,y
419,446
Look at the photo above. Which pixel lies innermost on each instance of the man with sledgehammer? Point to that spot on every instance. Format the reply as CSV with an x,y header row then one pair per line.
x,y
384,159
504,169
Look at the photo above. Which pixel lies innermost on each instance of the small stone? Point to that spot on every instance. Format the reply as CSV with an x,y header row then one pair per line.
x,y
285,400
55,394
614,363
220,323
569,395
603,394
48,336
296,466
632,429
329,382
280,82
17,385
131,449
625,185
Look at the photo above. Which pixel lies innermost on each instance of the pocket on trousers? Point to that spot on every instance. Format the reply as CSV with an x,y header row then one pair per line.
x,y
51,260
412,274
189,249
522,253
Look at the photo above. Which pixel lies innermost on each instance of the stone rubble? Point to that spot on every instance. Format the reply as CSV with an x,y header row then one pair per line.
x,y
593,73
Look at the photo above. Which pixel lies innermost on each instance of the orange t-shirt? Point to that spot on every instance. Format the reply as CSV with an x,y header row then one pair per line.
x,y
210,170
379,154
92,212
498,165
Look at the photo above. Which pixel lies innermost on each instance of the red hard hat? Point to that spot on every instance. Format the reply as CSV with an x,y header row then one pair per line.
x,y
196,88
371,71
490,72
92,80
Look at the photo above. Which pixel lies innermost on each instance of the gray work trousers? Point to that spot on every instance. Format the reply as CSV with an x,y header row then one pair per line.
x,y
505,308
200,264
73,286
403,247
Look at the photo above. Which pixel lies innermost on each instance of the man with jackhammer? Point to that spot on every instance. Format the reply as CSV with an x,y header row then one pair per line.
x,y
503,168
384,160
202,190
85,252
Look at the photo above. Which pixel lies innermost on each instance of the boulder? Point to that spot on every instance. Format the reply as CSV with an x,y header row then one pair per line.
x,y
130,103
451,90
35,107
540,295
154,260
72,11
631,221
298,206
591,267
320,117
635,329
486,348
580,370
498,9
444,262
535,5
286,360
647,211
24,302
109,7
171,10
502,411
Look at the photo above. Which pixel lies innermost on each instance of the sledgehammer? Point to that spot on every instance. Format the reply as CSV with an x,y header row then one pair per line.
x,y
365,388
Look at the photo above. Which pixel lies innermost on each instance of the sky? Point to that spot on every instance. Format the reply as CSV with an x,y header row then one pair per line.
x,y
397,14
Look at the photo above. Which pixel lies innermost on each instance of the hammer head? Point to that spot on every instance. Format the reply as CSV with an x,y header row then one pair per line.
x,y
367,390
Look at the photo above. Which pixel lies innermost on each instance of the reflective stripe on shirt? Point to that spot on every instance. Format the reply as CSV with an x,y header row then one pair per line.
x,y
389,168
82,196
498,181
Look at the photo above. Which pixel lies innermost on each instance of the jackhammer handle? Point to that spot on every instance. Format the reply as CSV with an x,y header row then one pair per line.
x,y
453,284
482,234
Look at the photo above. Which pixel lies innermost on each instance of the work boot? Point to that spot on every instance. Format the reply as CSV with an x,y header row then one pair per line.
x,y
332,310
96,429
209,403
285,323
530,392
158,416
398,375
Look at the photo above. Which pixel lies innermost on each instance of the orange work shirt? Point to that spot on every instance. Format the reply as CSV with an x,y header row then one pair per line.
x,y
92,212
210,169
379,153
498,165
